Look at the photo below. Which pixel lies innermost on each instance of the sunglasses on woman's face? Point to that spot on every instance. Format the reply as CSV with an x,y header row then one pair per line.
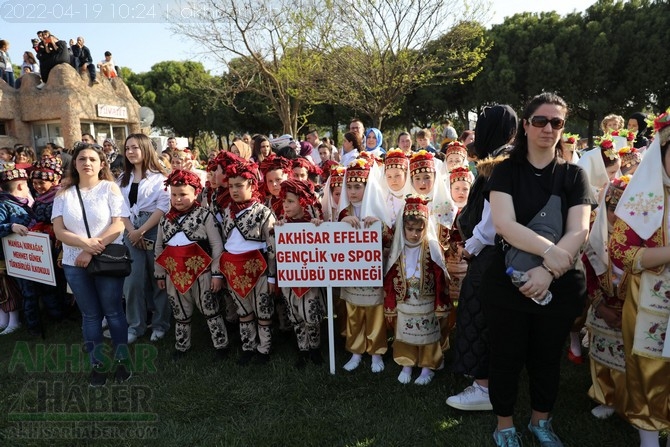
x,y
541,121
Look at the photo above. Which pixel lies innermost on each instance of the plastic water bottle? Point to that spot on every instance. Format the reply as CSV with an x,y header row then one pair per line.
x,y
519,279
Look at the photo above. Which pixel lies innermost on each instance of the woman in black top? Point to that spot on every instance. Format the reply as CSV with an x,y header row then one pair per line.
x,y
521,332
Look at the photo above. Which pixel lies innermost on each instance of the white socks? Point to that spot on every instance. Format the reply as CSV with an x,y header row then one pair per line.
x,y
377,363
353,362
648,438
575,344
425,377
405,376
602,411
13,323
4,319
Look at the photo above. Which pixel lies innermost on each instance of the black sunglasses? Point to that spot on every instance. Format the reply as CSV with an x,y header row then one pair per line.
x,y
541,121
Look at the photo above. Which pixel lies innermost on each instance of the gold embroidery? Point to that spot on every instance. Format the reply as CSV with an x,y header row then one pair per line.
x,y
195,263
242,282
170,264
228,269
182,279
253,266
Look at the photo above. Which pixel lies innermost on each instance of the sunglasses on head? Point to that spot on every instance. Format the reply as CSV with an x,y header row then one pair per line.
x,y
541,121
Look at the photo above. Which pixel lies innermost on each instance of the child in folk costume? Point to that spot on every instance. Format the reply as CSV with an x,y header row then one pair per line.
x,y
456,156
606,294
248,262
304,169
276,170
15,217
416,295
219,201
396,176
306,306
460,179
188,249
183,159
366,331
332,191
630,159
639,246
427,181
45,177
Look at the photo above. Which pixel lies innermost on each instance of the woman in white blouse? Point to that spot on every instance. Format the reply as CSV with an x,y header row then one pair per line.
x,y
97,296
144,193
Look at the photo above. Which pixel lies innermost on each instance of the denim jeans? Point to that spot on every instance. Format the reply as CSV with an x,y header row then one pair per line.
x,y
141,289
98,297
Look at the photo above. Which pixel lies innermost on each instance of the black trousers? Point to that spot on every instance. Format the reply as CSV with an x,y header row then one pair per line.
x,y
518,338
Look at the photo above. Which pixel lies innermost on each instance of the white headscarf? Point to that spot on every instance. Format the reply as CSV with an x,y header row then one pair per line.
x,y
642,204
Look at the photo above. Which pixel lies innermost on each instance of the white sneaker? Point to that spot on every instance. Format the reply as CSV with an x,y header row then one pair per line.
x,y
132,338
473,398
10,329
106,333
41,85
105,325
157,335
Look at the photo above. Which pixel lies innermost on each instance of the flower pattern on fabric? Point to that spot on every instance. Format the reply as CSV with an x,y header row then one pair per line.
x,y
170,265
656,333
242,282
253,266
196,263
182,279
644,204
661,291
228,268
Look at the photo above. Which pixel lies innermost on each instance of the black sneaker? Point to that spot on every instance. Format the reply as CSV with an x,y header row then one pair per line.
x,y
263,358
245,358
222,353
122,373
97,377
177,354
315,356
301,362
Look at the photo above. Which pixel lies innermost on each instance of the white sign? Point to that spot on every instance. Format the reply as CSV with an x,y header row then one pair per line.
x,y
108,111
333,254
29,257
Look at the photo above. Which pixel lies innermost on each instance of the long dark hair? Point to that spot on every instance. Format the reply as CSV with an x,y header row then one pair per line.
x,y
354,138
149,158
256,151
72,175
520,151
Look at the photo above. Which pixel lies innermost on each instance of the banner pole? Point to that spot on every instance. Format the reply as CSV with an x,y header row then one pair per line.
x,y
331,330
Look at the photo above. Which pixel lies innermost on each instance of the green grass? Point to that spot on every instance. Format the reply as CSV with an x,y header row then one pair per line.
x,y
203,402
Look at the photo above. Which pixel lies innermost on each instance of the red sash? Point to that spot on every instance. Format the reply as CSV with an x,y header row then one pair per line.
x,y
184,264
243,271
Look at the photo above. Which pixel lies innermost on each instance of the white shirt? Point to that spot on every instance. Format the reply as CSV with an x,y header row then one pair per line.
x,y
237,244
101,203
151,194
348,157
483,234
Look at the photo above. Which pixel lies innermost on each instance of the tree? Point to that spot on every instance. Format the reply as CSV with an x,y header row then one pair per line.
x,y
266,48
178,92
378,55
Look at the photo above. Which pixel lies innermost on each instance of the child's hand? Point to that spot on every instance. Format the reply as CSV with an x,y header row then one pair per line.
x,y
369,221
317,221
272,288
161,284
19,229
217,283
280,222
353,221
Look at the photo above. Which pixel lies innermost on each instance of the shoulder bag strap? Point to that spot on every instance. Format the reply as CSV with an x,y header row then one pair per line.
x,y
83,211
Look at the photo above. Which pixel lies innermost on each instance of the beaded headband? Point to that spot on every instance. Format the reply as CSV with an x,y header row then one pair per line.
x,y
416,205
422,161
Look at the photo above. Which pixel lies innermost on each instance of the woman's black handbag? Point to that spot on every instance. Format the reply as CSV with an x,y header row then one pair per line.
x,y
114,261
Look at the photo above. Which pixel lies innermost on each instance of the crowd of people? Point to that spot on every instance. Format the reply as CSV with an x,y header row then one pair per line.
x,y
49,51
500,245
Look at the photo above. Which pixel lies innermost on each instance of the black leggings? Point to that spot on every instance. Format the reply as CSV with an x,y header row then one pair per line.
x,y
518,338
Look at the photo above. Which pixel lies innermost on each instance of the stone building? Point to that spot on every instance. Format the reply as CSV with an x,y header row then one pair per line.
x,y
66,108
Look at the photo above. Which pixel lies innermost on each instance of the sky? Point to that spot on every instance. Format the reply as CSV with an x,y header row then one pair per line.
x,y
139,44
